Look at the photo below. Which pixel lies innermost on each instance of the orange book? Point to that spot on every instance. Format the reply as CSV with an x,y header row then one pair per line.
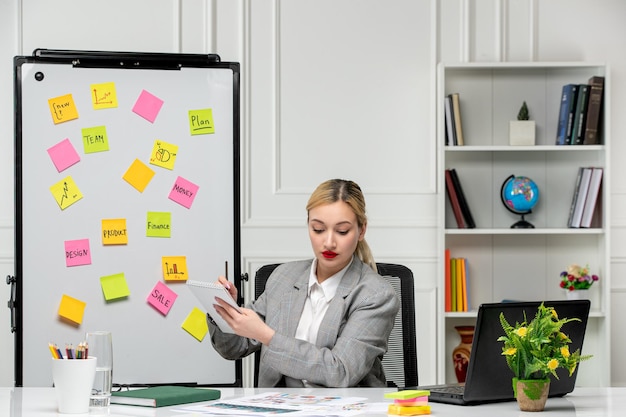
x,y
459,285
463,285
448,295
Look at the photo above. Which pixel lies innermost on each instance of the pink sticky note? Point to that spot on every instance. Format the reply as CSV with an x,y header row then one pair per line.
x,y
147,106
63,155
162,298
77,252
183,192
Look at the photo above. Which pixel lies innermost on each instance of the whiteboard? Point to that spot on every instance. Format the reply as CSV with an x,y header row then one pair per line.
x,y
150,345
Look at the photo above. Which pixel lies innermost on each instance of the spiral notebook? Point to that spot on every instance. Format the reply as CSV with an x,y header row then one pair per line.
x,y
206,292
488,376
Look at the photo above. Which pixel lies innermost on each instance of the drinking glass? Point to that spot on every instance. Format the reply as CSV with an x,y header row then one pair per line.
x,y
100,345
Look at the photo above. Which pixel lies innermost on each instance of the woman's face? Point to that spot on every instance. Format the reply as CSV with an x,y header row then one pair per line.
x,y
334,235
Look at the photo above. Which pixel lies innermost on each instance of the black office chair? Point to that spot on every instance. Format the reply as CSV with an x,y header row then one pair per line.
x,y
400,361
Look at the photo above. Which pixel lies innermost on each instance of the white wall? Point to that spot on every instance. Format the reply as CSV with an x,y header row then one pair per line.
x,y
332,88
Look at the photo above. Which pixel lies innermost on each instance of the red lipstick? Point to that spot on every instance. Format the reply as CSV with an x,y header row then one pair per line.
x,y
329,254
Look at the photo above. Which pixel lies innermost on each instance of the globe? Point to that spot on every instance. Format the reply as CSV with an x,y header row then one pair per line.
x,y
519,195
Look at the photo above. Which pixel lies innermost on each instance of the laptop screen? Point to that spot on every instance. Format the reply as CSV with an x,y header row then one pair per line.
x,y
488,375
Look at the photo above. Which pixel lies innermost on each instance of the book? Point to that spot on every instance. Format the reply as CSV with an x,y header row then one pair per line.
x,y
206,292
161,396
454,200
459,284
447,280
592,197
456,112
594,111
467,214
449,119
581,196
453,287
566,113
580,116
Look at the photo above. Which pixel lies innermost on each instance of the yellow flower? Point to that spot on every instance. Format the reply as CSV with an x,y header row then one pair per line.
x,y
510,351
565,351
521,332
556,316
553,364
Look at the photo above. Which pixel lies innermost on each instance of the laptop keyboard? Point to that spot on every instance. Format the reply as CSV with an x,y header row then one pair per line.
x,y
450,389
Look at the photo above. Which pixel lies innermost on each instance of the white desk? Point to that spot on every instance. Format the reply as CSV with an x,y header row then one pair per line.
x,y
587,402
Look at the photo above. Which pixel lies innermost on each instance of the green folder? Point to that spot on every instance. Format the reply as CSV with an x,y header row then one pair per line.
x,y
165,395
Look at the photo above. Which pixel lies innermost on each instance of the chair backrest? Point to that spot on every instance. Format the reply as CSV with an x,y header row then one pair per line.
x,y
400,361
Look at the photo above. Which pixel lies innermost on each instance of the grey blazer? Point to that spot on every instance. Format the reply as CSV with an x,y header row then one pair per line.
x,y
351,340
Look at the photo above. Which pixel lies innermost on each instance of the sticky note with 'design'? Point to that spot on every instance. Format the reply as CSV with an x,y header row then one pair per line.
x,y
72,309
195,324
77,252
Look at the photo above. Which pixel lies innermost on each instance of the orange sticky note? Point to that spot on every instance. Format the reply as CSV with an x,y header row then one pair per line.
x,y
114,232
195,324
399,410
174,268
72,309
138,175
114,286
103,96
63,109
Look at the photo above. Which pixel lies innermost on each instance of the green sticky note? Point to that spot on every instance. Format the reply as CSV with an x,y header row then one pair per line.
x,y
201,122
114,286
407,394
159,224
95,139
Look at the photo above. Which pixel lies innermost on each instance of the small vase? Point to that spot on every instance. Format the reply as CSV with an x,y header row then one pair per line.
x,y
531,395
577,294
461,353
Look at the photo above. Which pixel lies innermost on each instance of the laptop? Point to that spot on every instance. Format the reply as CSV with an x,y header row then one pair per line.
x,y
488,376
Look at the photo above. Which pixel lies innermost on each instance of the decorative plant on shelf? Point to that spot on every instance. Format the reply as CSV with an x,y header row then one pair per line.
x,y
533,351
577,278
523,112
522,130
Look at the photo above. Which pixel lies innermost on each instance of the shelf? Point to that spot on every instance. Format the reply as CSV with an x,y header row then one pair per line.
x,y
536,231
535,148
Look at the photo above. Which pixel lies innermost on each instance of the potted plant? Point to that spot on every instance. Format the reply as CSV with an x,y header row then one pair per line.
x,y
576,280
522,130
535,350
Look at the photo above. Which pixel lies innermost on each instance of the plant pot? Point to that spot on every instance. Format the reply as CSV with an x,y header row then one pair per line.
x,y
461,353
577,294
531,395
522,132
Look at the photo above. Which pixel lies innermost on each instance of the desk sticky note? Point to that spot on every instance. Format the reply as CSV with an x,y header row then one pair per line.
x,y
95,139
66,192
77,252
103,96
62,109
195,324
114,232
162,298
201,122
114,286
406,394
72,309
163,154
183,192
138,175
63,155
159,224
147,106
174,268
399,410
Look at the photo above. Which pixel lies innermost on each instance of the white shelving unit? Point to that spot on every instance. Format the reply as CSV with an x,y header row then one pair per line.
x,y
521,264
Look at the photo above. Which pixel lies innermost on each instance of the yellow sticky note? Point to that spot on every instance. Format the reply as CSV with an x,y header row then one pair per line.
x,y
114,232
398,410
103,96
163,154
195,324
66,192
72,309
159,224
406,394
114,286
95,139
174,268
63,109
138,175
201,122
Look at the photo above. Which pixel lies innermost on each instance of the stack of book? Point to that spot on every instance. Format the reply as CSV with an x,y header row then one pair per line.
x,y
580,113
586,207
456,284
452,115
408,403
456,196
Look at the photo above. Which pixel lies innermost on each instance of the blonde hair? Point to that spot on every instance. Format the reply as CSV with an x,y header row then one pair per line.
x,y
350,193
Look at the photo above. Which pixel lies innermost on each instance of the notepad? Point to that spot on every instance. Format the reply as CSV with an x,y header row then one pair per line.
x,y
206,292
164,395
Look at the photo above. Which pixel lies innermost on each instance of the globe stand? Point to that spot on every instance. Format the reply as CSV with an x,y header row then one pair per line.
x,y
522,224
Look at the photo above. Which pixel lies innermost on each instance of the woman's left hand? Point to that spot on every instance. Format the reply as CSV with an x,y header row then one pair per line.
x,y
245,323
